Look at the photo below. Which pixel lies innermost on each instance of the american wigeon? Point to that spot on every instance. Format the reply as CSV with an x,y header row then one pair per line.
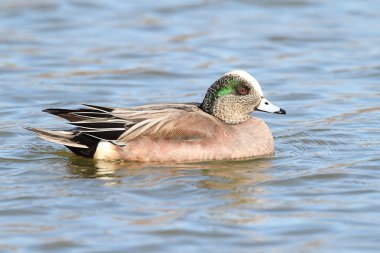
x,y
218,128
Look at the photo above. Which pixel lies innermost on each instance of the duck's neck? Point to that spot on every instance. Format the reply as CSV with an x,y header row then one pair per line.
x,y
228,109
225,113
208,101
229,114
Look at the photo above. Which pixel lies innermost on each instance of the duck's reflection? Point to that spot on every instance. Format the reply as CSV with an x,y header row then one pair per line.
x,y
215,175
226,190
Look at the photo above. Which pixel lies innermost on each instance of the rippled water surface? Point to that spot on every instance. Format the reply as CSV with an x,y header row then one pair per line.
x,y
319,60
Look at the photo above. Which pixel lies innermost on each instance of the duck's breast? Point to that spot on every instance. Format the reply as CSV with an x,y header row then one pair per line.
x,y
251,138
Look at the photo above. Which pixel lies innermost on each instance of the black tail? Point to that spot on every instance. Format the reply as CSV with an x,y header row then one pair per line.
x,y
93,124
90,142
78,143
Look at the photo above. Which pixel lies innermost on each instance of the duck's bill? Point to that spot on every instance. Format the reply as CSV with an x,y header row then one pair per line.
x,y
266,106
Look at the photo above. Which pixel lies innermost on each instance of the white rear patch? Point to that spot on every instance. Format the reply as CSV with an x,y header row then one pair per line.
x,y
106,151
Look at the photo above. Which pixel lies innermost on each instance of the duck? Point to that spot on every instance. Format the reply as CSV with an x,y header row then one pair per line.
x,y
219,128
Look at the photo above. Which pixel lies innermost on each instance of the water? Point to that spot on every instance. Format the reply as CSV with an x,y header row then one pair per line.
x,y
317,59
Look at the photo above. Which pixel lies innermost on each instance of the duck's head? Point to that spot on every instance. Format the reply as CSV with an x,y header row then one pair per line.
x,y
234,96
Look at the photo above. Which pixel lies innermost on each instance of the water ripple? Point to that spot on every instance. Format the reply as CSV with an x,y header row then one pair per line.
x,y
317,59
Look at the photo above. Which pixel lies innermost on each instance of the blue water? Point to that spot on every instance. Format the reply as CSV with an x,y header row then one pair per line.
x,y
319,60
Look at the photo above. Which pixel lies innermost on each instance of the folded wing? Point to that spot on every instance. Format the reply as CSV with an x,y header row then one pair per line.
x,y
120,125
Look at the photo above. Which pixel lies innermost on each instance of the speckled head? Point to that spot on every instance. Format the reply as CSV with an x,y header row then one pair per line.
x,y
234,96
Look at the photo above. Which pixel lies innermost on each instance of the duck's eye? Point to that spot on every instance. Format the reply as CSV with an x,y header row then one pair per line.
x,y
243,90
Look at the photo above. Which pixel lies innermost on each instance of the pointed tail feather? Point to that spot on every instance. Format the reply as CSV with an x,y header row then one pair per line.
x,y
100,108
79,144
64,113
79,114
61,137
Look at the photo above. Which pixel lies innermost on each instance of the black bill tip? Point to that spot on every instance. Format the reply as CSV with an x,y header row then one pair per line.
x,y
281,111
